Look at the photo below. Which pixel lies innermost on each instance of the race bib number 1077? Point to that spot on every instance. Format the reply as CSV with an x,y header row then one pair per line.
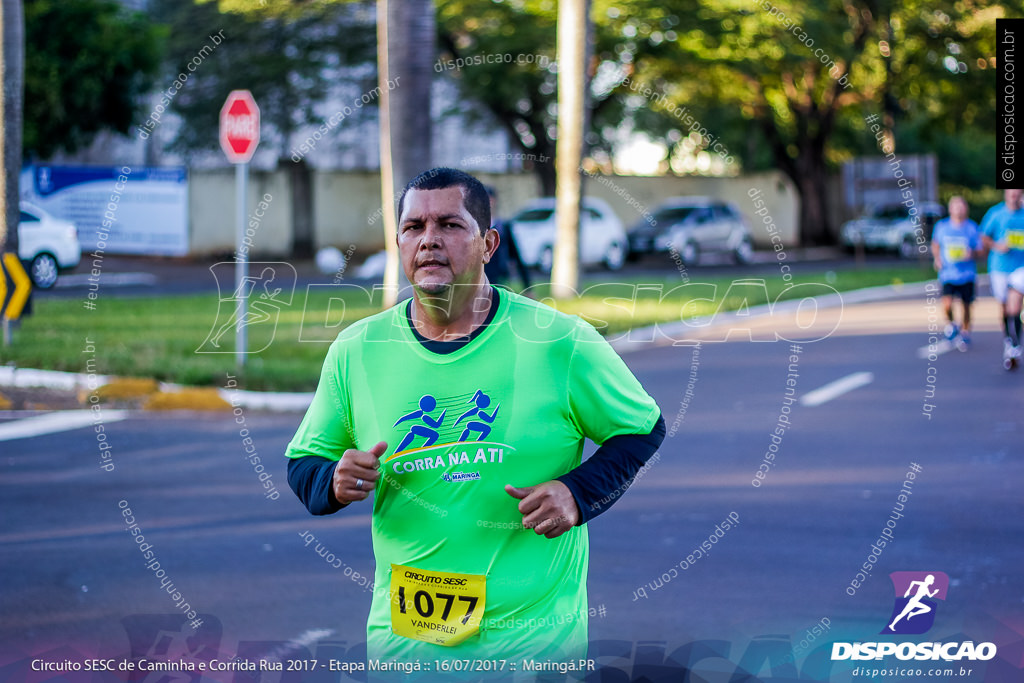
x,y
443,608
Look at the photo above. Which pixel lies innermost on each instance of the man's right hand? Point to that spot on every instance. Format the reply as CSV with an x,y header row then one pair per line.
x,y
357,472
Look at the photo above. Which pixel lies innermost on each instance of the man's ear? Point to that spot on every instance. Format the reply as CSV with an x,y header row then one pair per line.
x,y
491,241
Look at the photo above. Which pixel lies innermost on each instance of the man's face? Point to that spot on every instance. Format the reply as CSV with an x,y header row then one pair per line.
x,y
439,241
1012,199
957,209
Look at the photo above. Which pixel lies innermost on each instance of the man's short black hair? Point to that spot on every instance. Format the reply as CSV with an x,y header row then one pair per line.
x,y
476,200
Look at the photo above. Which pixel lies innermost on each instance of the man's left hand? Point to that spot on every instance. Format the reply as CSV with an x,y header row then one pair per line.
x,y
547,508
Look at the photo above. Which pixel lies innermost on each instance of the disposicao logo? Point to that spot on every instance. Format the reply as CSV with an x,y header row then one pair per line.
x,y
913,613
916,593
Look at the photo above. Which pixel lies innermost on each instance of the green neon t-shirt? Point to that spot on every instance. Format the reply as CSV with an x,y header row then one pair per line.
x,y
513,406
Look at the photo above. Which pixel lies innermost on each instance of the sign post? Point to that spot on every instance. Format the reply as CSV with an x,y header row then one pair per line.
x,y
239,136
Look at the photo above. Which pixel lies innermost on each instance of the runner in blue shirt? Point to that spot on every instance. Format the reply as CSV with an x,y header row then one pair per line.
x,y
997,272
1003,234
955,244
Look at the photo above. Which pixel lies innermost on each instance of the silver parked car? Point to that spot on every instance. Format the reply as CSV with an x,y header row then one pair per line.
x,y
691,226
602,237
891,228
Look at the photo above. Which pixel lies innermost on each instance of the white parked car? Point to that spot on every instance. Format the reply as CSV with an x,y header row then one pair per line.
x,y
891,228
602,238
46,245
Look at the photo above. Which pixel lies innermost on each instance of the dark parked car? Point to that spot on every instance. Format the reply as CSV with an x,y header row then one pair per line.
x,y
691,226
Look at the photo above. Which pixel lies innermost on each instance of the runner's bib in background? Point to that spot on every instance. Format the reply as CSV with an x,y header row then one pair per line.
x,y
1015,239
957,251
436,607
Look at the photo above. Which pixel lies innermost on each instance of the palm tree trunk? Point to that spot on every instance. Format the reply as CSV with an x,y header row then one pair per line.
x,y
572,18
12,70
301,186
406,51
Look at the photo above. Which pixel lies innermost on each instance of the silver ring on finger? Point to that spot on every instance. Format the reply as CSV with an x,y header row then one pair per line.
x,y
359,484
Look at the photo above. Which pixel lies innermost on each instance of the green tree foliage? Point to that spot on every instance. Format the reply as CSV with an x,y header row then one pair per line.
x,y
768,79
780,84
943,99
289,60
87,63
507,53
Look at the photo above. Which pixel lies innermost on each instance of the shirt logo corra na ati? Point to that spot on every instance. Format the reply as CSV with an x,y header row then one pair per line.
x,y
435,438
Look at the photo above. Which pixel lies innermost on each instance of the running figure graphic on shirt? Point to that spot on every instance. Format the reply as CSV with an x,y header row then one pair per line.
x,y
480,401
914,606
428,430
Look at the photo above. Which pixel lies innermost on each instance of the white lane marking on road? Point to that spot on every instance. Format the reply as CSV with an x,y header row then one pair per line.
x,y
60,421
837,388
944,346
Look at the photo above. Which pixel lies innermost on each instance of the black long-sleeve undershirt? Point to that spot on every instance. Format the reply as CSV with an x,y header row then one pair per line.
x,y
312,479
601,479
595,485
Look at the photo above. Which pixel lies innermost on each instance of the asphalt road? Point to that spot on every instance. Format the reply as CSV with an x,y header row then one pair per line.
x,y
75,584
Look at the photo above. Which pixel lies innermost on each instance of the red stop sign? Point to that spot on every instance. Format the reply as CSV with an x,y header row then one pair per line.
x,y
239,126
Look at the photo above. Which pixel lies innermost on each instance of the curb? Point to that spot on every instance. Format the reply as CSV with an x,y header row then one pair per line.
x,y
56,379
294,402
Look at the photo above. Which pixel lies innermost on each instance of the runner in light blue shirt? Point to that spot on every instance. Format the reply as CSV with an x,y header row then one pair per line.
x,y
1003,235
956,242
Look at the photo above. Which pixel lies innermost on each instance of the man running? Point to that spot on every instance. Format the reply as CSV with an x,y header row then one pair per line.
x,y
1002,233
955,244
479,537
915,606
